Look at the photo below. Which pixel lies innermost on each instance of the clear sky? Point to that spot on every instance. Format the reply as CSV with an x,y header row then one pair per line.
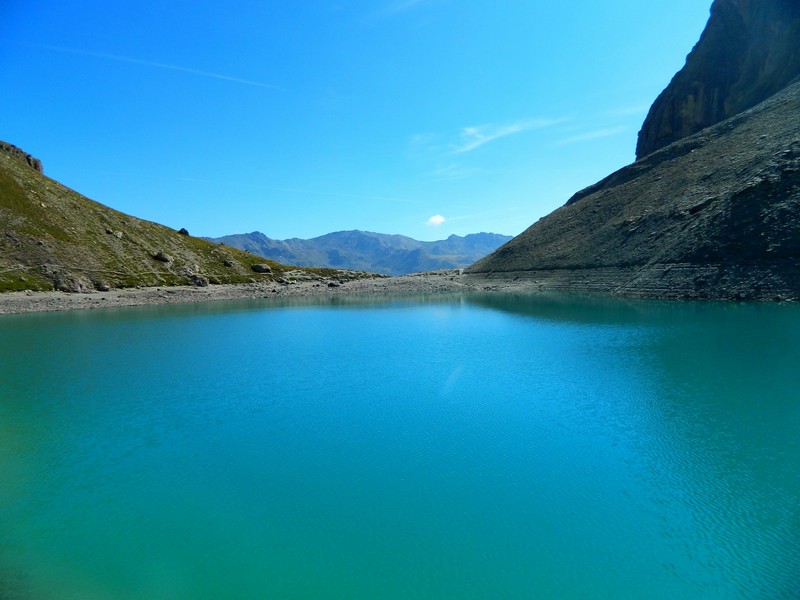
x,y
301,117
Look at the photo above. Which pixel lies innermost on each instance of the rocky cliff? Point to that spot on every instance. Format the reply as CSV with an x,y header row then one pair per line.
x,y
748,52
715,215
712,207
21,155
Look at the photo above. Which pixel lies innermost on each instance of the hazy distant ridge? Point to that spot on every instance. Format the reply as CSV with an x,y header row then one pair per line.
x,y
373,252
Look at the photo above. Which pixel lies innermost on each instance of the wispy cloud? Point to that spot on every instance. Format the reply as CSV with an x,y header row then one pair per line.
x,y
474,137
434,145
453,171
158,65
592,135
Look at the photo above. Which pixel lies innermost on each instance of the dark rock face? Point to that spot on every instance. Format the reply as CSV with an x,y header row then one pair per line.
x,y
711,208
20,154
750,50
715,215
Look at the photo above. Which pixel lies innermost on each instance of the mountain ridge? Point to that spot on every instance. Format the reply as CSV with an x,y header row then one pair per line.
x,y
52,237
713,214
747,52
387,254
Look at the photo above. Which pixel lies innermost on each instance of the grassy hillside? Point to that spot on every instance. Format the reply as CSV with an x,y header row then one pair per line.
x,y
51,237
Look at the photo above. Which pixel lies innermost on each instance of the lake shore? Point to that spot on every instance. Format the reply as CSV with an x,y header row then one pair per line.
x,y
438,282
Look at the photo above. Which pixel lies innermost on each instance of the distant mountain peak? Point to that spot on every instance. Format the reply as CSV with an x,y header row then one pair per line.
x,y
388,254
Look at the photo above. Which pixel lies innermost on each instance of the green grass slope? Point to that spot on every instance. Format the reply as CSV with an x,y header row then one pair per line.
x,y
51,237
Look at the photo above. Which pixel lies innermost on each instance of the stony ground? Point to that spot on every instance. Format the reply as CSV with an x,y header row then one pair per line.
x,y
439,282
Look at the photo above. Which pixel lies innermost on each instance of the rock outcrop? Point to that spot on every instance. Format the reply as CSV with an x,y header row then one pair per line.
x,y
20,154
51,237
707,211
748,52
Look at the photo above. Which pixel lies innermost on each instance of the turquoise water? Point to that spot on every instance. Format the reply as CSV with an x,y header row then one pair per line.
x,y
480,447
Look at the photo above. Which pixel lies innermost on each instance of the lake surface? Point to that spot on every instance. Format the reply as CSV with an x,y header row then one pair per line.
x,y
477,447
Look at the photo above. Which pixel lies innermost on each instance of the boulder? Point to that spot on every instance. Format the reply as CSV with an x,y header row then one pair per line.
x,y
198,280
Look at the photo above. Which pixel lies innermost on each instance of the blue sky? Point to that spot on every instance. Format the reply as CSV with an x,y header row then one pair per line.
x,y
297,118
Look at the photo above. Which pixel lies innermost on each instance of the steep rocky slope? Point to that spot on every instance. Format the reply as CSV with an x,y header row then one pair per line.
x,y
715,215
707,211
748,52
51,237
373,252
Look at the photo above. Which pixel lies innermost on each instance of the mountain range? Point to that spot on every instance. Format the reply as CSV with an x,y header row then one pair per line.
x,y
372,252
710,208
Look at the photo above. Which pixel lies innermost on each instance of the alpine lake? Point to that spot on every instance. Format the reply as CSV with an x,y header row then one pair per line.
x,y
484,446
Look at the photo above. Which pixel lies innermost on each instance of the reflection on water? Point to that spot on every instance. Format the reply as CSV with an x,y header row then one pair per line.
x,y
496,446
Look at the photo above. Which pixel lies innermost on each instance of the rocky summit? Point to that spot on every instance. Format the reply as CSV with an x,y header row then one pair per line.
x,y
713,214
748,52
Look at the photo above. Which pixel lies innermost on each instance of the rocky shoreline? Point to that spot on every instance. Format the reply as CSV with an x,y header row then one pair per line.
x,y
439,282
418,284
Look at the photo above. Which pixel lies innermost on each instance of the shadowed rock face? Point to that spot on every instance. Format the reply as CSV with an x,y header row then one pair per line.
x,y
748,52
711,209
20,154
715,215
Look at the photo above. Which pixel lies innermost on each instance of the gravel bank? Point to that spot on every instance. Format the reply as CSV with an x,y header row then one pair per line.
x,y
423,283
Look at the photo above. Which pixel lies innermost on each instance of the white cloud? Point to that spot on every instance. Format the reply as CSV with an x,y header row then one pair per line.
x,y
474,137
436,221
